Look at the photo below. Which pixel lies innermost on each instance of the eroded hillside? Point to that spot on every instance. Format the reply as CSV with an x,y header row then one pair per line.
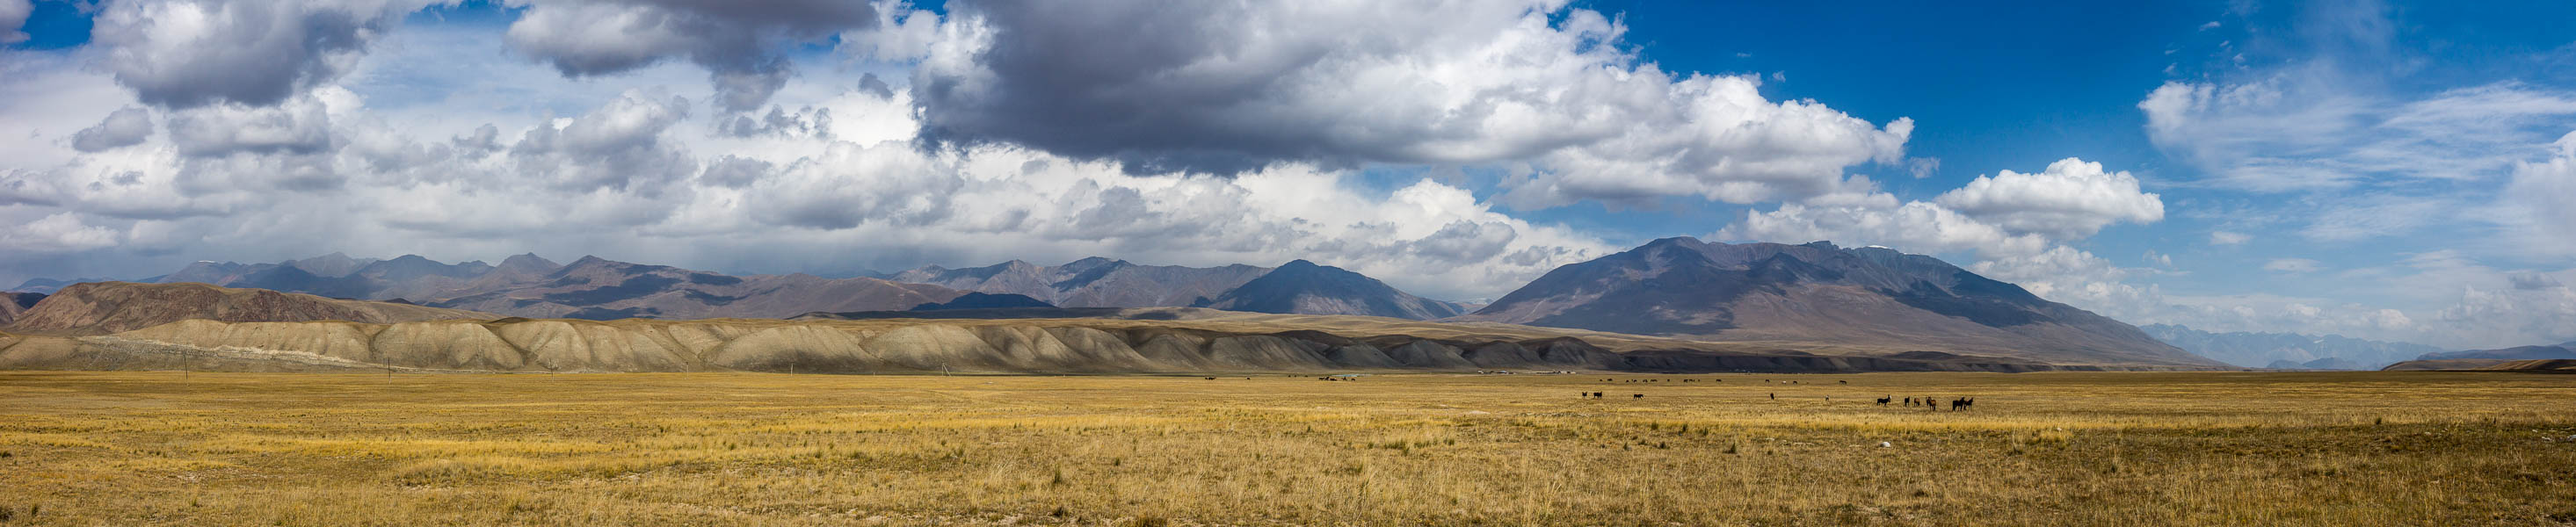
x,y
1133,341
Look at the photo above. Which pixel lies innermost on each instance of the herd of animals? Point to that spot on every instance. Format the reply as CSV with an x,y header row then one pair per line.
x,y
1929,403
1961,403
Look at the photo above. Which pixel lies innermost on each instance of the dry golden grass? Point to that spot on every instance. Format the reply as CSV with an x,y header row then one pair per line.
x,y
607,449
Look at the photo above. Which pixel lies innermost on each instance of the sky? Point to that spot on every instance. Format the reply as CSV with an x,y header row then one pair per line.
x,y
2396,171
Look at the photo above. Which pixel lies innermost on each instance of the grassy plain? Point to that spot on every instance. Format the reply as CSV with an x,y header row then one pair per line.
x,y
2412,448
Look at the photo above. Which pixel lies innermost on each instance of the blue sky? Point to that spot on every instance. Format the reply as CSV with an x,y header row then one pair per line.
x,y
2387,171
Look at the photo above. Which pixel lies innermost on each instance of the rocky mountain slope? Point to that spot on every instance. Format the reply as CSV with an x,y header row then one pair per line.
x,y
2301,351
1302,287
1091,282
1819,293
108,307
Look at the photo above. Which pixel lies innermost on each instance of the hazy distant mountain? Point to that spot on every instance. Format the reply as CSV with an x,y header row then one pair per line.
x,y
1301,287
411,276
207,272
984,301
1091,282
1821,294
2264,349
598,288
338,276
49,285
513,271
531,286
2328,363
331,265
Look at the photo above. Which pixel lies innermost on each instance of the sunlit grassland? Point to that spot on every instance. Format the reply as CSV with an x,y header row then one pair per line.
x,y
2413,448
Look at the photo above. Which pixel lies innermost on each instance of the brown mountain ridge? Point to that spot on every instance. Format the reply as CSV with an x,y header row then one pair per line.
x,y
100,308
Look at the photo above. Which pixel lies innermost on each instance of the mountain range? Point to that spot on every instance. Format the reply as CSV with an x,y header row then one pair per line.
x,y
1091,282
600,289
1816,297
2557,358
2288,350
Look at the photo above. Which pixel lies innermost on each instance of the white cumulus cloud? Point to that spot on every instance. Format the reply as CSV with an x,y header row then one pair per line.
x,y
1228,87
2072,199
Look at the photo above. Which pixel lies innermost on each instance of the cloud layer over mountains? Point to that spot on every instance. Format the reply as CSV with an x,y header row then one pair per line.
x,y
1451,148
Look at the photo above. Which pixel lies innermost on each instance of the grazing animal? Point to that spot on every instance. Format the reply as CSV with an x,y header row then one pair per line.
x,y
1638,396
1775,397
1211,378
1882,401
1844,382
